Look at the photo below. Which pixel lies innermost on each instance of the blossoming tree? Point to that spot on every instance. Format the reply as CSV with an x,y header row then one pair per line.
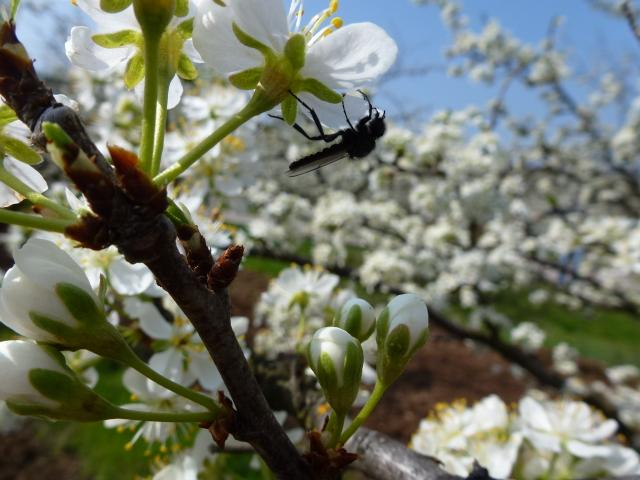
x,y
124,259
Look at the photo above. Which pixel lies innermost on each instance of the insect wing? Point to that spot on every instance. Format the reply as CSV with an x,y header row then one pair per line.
x,y
316,161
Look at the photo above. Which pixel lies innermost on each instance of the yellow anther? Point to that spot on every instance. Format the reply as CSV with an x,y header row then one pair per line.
x,y
120,429
128,446
163,449
337,22
333,6
323,409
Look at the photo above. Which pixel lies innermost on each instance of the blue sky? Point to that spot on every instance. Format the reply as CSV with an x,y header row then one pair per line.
x,y
592,37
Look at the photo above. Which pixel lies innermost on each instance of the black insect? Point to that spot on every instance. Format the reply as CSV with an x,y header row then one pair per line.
x,y
355,142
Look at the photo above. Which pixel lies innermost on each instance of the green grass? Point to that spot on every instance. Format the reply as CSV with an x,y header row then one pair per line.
x,y
609,336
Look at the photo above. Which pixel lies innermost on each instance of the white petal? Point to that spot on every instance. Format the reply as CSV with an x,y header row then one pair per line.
x,y
46,265
203,368
170,364
109,22
151,321
586,450
214,39
175,92
264,20
83,52
534,414
129,279
352,56
27,174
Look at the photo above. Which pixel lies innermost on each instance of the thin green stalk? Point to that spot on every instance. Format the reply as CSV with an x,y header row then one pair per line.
x,y
133,361
364,413
336,423
205,145
161,124
151,77
34,197
164,416
34,221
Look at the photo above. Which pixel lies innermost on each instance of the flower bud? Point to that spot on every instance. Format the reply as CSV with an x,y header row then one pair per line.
x,y
337,358
34,380
46,296
402,328
358,318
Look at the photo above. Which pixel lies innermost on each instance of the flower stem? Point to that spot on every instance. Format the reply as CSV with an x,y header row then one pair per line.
x,y
34,221
131,359
205,145
151,77
164,416
364,413
335,427
161,123
34,197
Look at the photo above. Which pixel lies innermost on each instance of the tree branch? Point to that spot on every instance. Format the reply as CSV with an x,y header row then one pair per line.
x,y
382,458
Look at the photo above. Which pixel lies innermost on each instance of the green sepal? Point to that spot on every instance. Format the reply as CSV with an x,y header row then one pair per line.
x,y
289,109
19,150
397,344
185,29
54,385
77,401
100,338
182,8
353,321
247,79
116,39
80,304
248,41
114,6
295,50
327,376
186,68
319,90
134,72
7,115
352,375
382,327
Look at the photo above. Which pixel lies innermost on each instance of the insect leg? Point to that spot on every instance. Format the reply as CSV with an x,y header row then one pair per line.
x,y
366,97
344,109
326,138
316,121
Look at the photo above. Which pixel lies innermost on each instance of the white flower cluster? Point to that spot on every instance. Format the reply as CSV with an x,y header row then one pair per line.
x,y
540,439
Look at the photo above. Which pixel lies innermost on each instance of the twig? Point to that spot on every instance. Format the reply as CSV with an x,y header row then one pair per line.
x,y
630,15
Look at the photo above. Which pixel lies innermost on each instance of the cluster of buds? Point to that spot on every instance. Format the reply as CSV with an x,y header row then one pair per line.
x,y
335,353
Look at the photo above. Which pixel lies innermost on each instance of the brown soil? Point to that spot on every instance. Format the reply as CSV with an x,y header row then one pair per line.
x,y
24,456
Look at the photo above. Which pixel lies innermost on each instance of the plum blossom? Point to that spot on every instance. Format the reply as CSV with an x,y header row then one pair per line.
x,y
92,52
339,57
